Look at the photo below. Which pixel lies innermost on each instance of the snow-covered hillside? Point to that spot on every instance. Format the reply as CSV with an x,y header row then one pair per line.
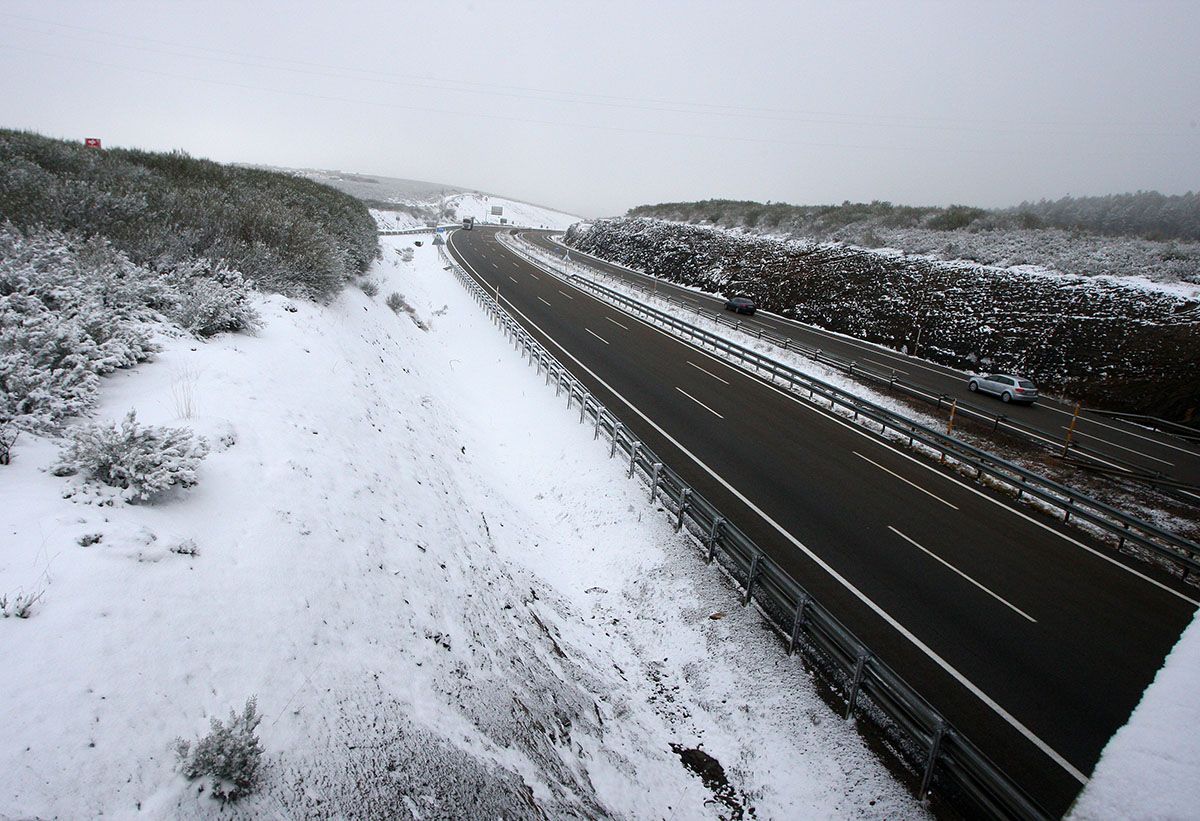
x,y
396,220
447,600
480,207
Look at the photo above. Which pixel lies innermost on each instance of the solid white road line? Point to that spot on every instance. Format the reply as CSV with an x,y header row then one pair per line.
x,y
841,580
710,373
998,598
618,324
593,333
698,402
906,481
1122,447
543,301
1093,421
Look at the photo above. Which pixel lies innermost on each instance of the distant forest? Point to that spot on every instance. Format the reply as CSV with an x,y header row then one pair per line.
x,y
1146,214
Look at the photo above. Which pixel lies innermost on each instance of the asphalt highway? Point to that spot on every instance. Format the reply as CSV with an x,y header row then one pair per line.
x,y
1033,640
1115,439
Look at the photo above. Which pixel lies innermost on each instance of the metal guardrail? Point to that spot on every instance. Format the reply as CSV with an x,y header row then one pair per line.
x,y
1086,457
425,230
1179,551
928,745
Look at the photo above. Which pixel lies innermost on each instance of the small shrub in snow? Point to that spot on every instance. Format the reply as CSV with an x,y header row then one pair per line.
x,y
213,299
406,255
230,755
8,436
369,287
185,548
19,606
395,302
141,459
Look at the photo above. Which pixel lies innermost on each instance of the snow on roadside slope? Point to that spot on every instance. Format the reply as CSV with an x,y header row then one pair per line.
x,y
1149,767
479,206
395,220
447,600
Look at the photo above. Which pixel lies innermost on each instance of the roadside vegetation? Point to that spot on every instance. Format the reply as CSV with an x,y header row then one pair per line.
x,y
101,250
1148,234
1121,346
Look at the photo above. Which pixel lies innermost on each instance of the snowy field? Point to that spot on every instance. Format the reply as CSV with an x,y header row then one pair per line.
x,y
516,212
395,220
446,599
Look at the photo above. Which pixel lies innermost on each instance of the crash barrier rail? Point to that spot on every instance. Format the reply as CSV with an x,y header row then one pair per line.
x,y
1091,457
432,229
1180,552
946,762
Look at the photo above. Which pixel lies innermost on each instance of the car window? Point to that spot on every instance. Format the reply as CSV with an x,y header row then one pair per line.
x,y
1025,383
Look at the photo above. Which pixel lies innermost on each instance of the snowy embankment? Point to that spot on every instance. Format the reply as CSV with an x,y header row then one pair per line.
x,y
1151,767
396,220
446,599
515,212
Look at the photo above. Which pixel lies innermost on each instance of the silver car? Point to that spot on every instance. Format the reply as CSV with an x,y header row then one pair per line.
x,y
1009,387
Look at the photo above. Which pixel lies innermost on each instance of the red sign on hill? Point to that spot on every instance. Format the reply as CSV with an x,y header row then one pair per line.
x,y
92,142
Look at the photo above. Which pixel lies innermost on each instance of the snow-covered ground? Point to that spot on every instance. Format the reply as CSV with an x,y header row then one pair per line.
x,y
446,599
516,212
395,220
1151,767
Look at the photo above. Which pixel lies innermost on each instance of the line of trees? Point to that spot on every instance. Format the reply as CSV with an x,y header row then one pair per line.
x,y
1145,214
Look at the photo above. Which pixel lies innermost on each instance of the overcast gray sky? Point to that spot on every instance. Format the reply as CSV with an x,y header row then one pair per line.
x,y
595,107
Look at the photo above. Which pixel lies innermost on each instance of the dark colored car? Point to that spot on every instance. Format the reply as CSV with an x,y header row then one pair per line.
x,y
741,305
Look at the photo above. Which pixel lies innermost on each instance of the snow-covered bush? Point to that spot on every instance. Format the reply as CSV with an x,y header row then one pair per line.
x,y
74,309
8,437
70,310
143,460
230,755
369,287
212,299
395,301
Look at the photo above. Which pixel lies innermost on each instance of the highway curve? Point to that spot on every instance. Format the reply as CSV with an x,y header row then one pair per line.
x,y
1034,640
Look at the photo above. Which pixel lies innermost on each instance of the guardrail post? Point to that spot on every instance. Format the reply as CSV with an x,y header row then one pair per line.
x,y
654,471
617,428
583,400
684,495
599,415
633,452
855,684
797,623
935,745
713,535
750,579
